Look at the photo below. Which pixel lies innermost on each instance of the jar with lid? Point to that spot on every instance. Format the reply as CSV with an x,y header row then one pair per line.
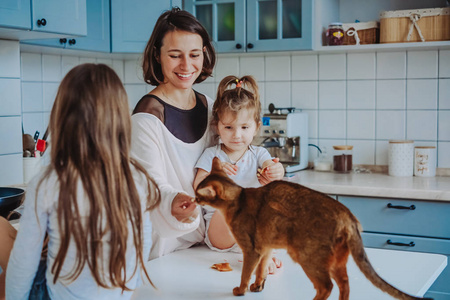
x,y
335,34
343,158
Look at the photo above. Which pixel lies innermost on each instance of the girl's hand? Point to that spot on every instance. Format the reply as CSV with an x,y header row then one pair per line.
x,y
274,264
184,208
273,170
230,169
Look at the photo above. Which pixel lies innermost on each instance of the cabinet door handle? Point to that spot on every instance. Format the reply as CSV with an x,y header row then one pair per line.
x,y
42,22
238,46
410,244
412,207
249,45
72,42
63,41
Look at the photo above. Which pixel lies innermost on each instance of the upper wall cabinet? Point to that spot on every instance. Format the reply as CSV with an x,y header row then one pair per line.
x,y
256,25
132,22
98,31
25,19
15,14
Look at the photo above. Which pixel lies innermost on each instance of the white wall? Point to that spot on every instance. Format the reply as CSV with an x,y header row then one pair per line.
x,y
362,99
10,114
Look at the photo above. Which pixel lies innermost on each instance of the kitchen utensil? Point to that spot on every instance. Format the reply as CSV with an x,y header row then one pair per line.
x,y
36,136
10,199
28,144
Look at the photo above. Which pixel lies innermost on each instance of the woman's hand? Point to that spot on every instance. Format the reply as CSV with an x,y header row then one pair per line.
x,y
184,208
272,170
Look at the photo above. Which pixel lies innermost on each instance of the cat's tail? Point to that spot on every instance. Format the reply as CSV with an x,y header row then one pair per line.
x,y
360,257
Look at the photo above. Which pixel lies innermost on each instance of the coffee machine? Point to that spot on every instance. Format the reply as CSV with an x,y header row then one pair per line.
x,y
285,135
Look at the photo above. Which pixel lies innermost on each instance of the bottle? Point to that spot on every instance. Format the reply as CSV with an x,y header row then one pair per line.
x,y
343,158
335,34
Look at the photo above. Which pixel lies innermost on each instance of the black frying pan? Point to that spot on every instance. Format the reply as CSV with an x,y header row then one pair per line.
x,y
10,199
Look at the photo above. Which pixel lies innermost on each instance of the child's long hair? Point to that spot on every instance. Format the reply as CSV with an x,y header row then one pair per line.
x,y
234,94
90,131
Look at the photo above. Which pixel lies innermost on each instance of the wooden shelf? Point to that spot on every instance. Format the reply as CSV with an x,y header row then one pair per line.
x,y
441,45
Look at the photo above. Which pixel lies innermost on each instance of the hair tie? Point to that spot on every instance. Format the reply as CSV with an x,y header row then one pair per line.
x,y
238,83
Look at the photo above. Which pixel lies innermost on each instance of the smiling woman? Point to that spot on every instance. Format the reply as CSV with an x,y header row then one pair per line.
x,y
171,125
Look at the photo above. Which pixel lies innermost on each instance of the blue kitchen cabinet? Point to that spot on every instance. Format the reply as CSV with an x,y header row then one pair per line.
x,y
132,22
56,16
98,31
15,14
407,225
224,21
22,19
256,25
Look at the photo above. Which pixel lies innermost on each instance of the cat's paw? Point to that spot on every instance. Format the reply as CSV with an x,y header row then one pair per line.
x,y
237,291
257,287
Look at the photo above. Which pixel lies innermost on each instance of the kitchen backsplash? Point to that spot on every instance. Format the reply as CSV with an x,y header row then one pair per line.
x,y
360,99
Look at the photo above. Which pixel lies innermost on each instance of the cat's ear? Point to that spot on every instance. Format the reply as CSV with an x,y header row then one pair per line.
x,y
207,191
216,164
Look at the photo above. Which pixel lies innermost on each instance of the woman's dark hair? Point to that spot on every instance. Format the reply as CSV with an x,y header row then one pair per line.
x,y
169,21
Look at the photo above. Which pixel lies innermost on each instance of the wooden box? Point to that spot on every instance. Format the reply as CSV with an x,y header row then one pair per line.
x,y
419,25
361,33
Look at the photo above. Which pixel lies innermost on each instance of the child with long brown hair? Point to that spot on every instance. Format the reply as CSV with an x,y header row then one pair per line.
x,y
236,116
93,201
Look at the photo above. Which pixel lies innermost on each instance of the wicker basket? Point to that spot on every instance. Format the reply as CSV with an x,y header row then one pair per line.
x,y
361,33
430,24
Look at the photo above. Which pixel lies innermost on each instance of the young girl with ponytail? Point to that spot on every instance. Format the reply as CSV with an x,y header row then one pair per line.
x,y
236,116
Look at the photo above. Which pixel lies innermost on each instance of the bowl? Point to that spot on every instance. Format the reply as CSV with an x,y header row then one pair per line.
x,y
10,199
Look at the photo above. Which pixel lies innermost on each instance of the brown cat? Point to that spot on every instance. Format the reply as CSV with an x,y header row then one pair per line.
x,y
317,231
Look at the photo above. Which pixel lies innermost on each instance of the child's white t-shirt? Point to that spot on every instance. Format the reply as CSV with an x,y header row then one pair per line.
x,y
246,176
248,164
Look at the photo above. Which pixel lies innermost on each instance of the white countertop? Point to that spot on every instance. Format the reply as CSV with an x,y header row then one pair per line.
x,y
187,274
375,185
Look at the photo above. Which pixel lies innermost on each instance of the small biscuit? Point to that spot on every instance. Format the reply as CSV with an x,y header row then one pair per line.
x,y
222,267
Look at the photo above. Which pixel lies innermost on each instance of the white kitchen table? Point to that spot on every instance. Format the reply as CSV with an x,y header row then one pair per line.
x,y
187,274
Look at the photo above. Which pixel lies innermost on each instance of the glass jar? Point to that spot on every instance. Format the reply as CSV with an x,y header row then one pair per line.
x,y
335,34
343,158
322,163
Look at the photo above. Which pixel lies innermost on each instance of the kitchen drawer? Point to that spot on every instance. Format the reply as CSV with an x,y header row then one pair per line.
x,y
421,244
409,243
425,218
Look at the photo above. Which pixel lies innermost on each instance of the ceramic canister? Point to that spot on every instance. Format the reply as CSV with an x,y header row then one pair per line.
x,y
425,161
31,167
401,158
